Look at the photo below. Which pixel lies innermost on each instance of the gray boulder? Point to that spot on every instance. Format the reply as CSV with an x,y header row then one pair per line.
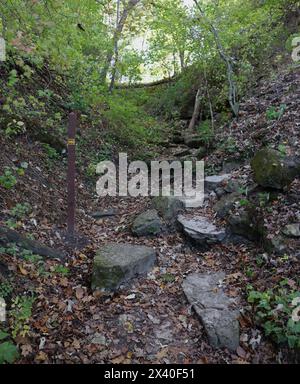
x,y
271,169
147,223
115,264
168,206
213,308
201,230
247,223
226,203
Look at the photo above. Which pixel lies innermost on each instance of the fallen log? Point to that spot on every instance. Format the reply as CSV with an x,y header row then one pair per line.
x,y
8,236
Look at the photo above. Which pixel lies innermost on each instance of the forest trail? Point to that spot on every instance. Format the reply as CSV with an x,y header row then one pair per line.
x,y
149,319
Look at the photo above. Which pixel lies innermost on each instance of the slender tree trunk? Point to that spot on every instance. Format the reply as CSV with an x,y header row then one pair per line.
x,y
182,60
191,128
116,51
232,93
116,37
210,102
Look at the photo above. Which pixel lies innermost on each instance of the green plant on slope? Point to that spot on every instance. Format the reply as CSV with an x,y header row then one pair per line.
x,y
51,152
8,180
277,310
19,211
205,130
8,351
6,289
274,113
20,314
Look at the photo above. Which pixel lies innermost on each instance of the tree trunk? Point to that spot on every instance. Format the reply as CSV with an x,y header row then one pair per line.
x,y
116,37
232,93
196,113
182,60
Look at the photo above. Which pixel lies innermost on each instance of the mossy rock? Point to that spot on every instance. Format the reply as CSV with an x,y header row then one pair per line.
x,y
168,207
273,170
115,264
248,223
226,203
147,224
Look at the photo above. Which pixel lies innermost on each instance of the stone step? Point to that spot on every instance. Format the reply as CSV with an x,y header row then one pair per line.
x,y
201,231
214,308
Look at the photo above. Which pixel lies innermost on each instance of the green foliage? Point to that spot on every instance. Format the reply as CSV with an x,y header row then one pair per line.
x,y
205,130
229,145
11,223
31,257
263,199
244,202
20,313
20,211
51,152
11,249
282,149
8,351
61,269
277,311
14,128
274,113
8,180
6,289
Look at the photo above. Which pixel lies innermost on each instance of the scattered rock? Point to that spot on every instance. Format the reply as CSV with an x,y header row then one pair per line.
x,y
105,213
276,245
246,222
216,181
168,206
214,309
226,203
115,264
292,230
98,339
273,170
8,236
147,223
201,230
232,186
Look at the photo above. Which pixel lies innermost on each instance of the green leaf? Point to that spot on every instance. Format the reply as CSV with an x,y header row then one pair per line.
x,y
8,352
3,335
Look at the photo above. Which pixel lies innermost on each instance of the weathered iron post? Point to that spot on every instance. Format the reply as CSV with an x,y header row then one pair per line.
x,y
71,176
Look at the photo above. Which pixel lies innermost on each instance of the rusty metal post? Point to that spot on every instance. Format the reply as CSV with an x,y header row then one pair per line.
x,y
71,175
